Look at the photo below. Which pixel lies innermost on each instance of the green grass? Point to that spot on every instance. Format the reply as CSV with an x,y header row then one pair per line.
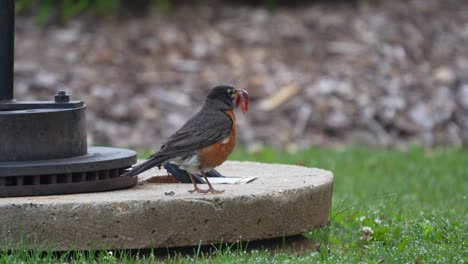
x,y
53,11
67,9
414,201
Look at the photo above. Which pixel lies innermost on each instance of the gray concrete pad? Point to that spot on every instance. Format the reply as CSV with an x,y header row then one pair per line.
x,y
284,200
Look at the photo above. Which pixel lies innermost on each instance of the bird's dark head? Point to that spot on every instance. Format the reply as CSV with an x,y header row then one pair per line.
x,y
224,97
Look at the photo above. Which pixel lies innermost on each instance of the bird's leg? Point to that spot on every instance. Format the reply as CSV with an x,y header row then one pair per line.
x,y
210,187
195,187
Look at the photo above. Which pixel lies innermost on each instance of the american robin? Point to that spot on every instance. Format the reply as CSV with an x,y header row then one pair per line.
x,y
183,176
206,140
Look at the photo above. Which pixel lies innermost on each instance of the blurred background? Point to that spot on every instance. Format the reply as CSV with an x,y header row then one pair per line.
x,y
364,72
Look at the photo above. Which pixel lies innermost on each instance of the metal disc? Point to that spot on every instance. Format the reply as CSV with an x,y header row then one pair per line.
x,y
99,170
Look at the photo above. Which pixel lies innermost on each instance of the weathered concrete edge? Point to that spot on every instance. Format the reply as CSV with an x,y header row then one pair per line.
x,y
279,212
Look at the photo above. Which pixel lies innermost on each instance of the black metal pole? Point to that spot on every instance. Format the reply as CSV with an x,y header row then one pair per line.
x,y
7,43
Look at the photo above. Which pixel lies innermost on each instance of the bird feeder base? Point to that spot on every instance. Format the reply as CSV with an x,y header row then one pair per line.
x,y
283,200
98,170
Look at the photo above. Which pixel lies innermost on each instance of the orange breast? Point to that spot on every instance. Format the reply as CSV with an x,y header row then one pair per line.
x,y
214,155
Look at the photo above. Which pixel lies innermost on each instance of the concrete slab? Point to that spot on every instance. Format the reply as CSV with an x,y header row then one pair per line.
x,y
283,200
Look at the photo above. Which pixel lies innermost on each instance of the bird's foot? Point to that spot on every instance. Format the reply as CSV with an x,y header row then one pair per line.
x,y
198,190
213,191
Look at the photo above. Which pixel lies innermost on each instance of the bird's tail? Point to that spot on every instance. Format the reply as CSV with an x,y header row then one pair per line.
x,y
154,160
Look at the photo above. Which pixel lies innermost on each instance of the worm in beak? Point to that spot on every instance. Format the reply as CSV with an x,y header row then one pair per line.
x,y
242,99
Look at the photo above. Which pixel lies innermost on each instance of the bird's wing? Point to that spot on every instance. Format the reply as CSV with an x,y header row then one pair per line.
x,y
202,130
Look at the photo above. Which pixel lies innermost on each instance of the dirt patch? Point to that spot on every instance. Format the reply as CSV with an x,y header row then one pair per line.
x,y
390,73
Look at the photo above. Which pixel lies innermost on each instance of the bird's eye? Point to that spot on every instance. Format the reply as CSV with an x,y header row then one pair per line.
x,y
231,91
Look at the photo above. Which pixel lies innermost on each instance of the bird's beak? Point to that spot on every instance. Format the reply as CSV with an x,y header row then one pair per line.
x,y
241,98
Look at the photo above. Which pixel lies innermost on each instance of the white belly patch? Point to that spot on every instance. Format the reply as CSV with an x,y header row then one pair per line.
x,y
226,140
190,164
